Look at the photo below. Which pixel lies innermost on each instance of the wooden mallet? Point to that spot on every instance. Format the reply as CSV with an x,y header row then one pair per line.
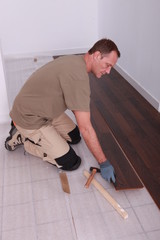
x,y
93,171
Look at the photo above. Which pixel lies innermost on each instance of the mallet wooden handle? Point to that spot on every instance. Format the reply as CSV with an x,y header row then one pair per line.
x,y
107,196
90,178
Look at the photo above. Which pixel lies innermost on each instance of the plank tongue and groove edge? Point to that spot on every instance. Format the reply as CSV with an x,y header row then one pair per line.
x,y
126,177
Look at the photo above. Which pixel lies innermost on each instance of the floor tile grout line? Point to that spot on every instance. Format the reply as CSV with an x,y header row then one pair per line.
x,y
153,231
135,235
140,205
138,220
33,202
32,226
19,204
71,217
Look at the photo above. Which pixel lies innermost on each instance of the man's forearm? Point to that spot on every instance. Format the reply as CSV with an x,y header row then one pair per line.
x,y
93,144
89,135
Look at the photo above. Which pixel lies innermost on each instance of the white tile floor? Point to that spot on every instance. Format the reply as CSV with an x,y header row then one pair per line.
x,y
34,207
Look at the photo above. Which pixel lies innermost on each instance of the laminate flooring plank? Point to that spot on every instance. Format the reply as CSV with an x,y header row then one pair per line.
x,y
134,153
119,111
126,177
135,125
122,88
150,114
149,141
129,144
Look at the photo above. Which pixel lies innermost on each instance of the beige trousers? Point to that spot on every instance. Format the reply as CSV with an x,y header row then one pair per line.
x,y
50,142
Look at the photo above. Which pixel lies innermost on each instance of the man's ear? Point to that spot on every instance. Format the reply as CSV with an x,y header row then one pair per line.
x,y
97,55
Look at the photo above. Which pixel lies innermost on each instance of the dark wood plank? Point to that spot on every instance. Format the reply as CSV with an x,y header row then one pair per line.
x,y
135,125
129,180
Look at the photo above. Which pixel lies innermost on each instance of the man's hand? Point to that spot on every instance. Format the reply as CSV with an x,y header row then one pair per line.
x,y
107,171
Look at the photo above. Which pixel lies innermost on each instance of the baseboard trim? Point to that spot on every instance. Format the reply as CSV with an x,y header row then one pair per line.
x,y
154,102
56,52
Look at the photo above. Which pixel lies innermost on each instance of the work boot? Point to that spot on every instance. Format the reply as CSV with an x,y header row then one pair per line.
x,y
14,140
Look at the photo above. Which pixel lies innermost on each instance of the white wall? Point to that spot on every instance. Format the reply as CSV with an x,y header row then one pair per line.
x,y
135,26
28,26
3,93
42,26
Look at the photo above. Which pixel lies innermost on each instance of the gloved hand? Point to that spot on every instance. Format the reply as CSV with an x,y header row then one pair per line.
x,y
107,171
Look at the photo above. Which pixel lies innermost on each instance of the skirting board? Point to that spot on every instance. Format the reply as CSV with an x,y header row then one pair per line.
x,y
139,88
56,52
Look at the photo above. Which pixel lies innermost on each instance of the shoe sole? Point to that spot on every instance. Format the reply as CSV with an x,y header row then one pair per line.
x,y
8,147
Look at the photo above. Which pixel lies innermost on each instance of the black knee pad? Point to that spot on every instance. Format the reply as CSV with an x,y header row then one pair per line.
x,y
70,161
75,136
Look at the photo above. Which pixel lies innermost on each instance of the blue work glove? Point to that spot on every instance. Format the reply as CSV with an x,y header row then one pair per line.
x,y
107,171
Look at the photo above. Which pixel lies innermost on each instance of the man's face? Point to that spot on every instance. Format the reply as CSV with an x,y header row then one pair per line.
x,y
102,63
